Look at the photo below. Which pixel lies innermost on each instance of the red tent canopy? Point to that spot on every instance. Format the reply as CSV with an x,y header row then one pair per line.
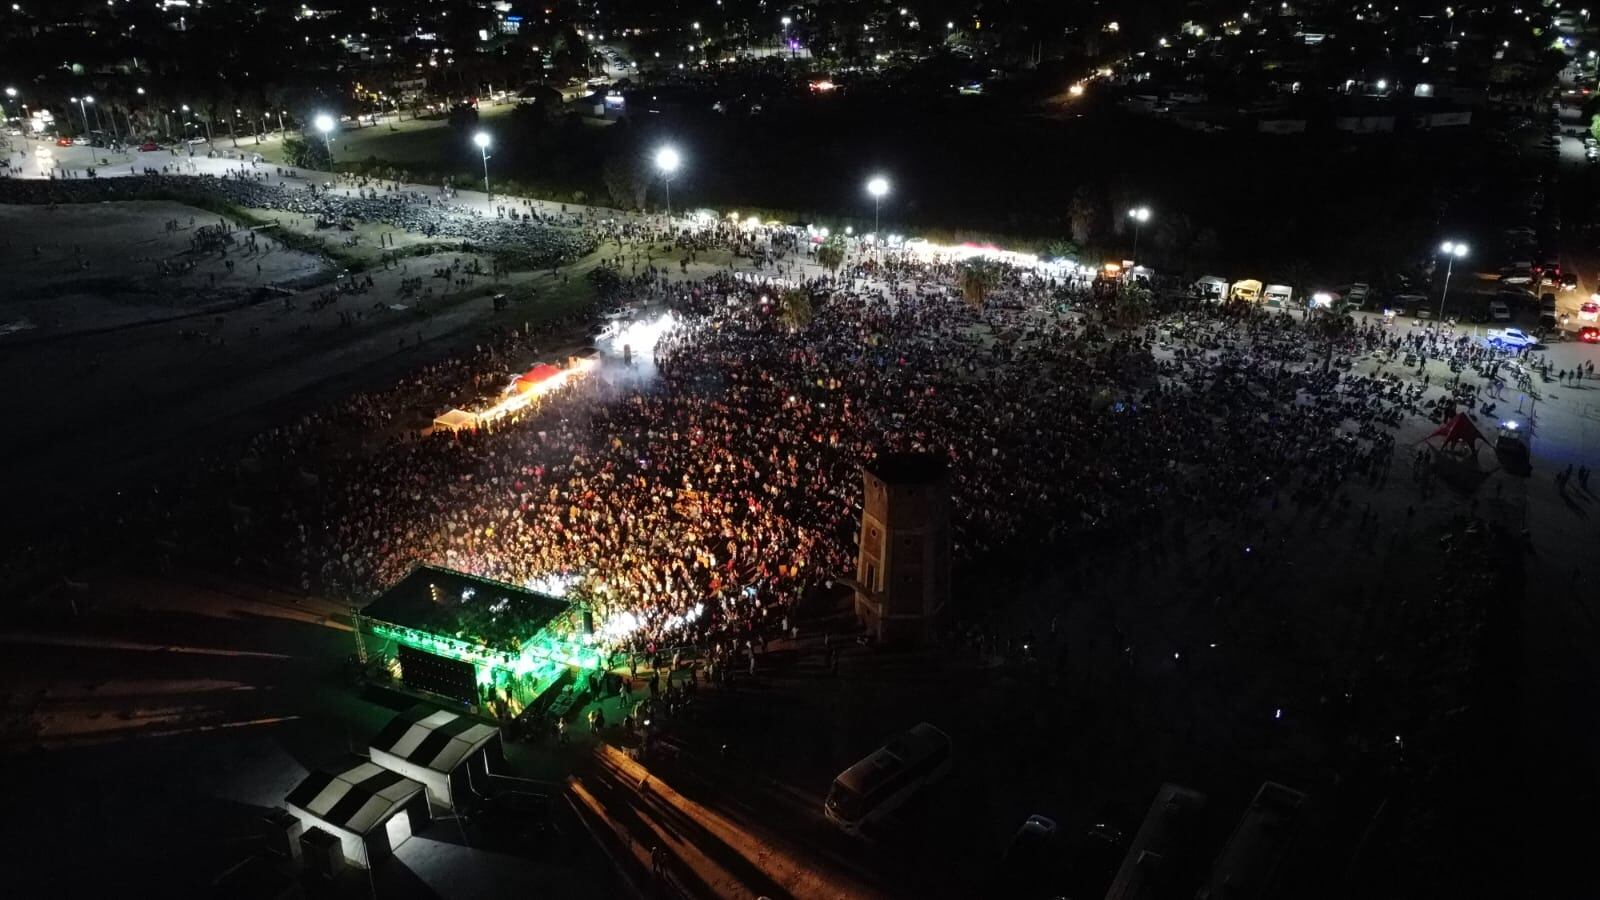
x,y
535,376
1459,430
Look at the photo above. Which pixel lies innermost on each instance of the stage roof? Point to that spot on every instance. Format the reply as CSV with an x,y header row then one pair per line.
x,y
476,610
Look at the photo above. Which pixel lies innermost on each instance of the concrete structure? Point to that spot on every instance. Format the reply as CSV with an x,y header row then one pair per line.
x,y
903,567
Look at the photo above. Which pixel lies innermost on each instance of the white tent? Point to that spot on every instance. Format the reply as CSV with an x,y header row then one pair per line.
x,y
369,808
455,420
1211,287
440,749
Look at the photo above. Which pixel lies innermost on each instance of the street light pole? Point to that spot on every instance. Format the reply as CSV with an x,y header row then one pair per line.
x,y
1451,250
324,123
482,140
667,161
1139,215
878,187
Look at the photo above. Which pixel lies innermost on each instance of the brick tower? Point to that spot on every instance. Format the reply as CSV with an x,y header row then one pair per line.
x,y
902,579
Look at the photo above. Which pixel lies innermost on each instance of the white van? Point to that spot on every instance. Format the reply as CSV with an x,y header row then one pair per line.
x,y
875,786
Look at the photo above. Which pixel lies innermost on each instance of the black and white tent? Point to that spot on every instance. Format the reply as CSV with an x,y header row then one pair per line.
x,y
440,749
371,809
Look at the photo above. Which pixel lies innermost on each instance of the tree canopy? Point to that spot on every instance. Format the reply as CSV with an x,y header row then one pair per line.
x,y
978,278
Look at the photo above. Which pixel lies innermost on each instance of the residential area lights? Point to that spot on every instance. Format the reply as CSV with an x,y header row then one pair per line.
x,y
1451,250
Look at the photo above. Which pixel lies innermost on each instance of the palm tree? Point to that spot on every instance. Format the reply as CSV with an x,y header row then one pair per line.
x,y
978,278
1298,274
831,255
795,309
1131,305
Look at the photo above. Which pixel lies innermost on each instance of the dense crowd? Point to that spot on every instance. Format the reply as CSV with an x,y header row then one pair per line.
x,y
699,506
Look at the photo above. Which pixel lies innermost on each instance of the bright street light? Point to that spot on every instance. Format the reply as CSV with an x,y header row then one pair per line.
x,y
667,160
482,140
1452,250
878,187
1139,215
324,123
81,110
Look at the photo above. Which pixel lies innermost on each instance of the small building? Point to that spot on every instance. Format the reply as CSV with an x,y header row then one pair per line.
x,y
903,568
371,810
479,642
1211,287
445,752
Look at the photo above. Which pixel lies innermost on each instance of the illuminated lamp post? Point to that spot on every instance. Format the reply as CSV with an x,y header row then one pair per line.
x,y
878,187
482,140
1452,251
667,160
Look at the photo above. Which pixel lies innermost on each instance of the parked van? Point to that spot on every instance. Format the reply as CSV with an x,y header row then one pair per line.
x,y
873,787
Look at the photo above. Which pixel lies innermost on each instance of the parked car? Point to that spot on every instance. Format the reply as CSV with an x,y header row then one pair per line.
x,y
80,141
147,146
63,142
1569,281
1510,339
1499,311
1589,334
1589,311
1032,860
1520,273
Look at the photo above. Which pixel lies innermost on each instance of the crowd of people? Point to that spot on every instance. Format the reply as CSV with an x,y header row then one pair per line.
x,y
543,239
698,506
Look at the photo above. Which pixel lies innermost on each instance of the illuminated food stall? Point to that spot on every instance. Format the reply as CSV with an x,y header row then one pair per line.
x,y
482,643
